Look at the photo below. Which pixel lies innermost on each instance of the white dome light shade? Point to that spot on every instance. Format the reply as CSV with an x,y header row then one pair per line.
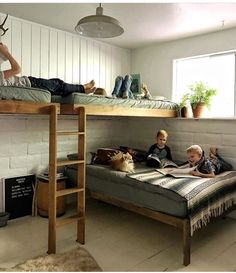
x,y
99,25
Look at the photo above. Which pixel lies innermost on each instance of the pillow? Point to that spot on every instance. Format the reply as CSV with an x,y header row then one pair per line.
x,y
89,157
137,154
103,155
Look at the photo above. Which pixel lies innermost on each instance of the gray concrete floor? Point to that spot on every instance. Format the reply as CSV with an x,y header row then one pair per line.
x,y
123,241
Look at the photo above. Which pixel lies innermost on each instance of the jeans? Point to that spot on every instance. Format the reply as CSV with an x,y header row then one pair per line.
x,y
224,166
56,86
122,87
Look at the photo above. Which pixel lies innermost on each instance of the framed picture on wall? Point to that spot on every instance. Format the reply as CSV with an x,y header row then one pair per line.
x,y
136,84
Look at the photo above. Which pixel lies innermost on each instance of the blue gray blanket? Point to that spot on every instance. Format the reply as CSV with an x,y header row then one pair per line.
x,y
205,197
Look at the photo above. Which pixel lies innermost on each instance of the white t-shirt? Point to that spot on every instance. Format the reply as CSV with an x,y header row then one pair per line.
x,y
14,81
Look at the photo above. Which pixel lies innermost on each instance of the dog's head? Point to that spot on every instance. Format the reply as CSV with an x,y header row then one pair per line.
x,y
127,157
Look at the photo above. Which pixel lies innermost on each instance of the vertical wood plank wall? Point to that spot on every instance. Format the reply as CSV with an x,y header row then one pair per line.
x,y
46,52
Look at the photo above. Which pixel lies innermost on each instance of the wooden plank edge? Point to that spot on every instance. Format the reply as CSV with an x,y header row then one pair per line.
x,y
108,110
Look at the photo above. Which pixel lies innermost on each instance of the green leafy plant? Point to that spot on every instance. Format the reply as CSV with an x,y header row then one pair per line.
x,y
201,93
183,101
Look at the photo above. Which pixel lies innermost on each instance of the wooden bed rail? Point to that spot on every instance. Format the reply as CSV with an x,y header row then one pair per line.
x,y
26,107
108,110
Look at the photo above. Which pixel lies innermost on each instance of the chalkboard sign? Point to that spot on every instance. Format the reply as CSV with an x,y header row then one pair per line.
x,y
18,195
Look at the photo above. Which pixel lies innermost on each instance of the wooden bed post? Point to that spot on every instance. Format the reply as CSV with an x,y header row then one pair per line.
x,y
52,181
81,176
186,241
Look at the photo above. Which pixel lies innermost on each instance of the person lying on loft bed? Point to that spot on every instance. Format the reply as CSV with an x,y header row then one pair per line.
x,y
54,86
122,88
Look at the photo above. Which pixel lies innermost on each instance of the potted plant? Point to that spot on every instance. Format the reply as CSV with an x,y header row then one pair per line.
x,y
200,97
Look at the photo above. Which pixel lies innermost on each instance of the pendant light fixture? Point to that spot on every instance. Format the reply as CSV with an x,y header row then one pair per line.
x,y
99,25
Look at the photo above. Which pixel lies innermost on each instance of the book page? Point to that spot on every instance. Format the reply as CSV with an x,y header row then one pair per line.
x,y
180,172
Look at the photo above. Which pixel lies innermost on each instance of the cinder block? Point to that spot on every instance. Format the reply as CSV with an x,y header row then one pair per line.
x,y
204,138
4,163
38,148
19,149
4,150
18,162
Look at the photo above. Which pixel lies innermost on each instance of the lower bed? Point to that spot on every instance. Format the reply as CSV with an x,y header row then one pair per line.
x,y
117,184
185,203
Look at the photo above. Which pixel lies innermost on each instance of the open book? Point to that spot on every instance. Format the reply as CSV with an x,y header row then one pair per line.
x,y
182,171
154,161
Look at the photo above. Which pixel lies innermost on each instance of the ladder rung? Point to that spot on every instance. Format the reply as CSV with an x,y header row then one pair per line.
x,y
68,220
69,162
65,133
68,191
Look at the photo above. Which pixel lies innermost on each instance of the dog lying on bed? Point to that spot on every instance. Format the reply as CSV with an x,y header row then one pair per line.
x,y
122,162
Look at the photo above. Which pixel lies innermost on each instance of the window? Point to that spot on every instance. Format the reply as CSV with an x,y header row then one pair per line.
x,y
217,71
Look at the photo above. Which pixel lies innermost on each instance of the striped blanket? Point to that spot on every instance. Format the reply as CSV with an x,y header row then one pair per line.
x,y
205,197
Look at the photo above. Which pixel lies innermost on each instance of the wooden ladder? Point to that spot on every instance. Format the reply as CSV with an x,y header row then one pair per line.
x,y
53,222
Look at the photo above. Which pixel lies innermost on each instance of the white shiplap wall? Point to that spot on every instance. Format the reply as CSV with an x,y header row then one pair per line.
x,y
46,52
50,53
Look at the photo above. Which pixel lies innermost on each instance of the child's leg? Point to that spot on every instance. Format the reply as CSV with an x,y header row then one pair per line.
x,y
116,91
224,165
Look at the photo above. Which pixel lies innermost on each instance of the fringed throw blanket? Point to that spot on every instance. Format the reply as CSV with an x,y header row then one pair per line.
x,y
205,197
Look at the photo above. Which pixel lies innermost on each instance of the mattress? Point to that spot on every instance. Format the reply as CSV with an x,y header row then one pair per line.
x,y
80,98
117,184
24,94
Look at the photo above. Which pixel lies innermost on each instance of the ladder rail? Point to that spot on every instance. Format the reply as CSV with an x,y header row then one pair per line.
x,y
52,180
81,176
79,190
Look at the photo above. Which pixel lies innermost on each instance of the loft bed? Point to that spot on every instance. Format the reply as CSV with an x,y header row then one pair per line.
x,y
163,198
18,100
108,106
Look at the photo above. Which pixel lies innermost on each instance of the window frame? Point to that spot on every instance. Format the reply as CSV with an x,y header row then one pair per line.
x,y
174,75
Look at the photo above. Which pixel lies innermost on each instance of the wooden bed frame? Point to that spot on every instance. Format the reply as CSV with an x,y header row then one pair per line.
x,y
25,107
53,110
108,110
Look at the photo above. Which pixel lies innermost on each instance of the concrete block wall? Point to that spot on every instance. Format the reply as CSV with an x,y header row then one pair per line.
x,y
24,141
185,132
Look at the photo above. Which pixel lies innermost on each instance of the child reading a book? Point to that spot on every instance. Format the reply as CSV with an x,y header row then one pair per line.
x,y
159,152
206,167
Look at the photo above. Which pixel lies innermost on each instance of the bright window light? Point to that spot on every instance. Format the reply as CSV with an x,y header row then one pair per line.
x,y
217,71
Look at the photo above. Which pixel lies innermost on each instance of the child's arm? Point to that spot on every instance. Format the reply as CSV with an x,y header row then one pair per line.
x,y
203,175
168,156
15,67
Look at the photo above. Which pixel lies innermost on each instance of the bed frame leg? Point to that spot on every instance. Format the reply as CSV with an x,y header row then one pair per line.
x,y
186,242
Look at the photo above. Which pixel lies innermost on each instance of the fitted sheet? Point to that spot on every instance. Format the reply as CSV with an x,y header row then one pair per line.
x,y
79,98
117,184
24,94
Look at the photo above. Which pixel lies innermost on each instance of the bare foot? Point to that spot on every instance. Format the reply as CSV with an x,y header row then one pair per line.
x,y
89,85
91,90
213,152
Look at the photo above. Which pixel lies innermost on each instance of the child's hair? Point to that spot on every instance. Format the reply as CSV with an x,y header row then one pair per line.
x,y
162,133
194,148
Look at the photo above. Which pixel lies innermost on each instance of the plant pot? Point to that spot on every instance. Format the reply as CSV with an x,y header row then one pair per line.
x,y
186,112
199,110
